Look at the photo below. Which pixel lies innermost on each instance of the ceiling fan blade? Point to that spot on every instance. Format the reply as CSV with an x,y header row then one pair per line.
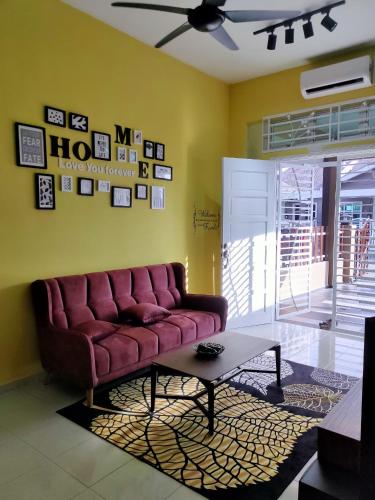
x,y
151,6
246,16
216,3
224,38
177,32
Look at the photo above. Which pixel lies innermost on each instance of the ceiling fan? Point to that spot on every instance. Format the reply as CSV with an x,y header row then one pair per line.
x,y
209,18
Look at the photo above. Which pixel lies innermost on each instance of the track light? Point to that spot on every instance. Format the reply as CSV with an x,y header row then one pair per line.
x,y
272,39
308,29
327,21
289,34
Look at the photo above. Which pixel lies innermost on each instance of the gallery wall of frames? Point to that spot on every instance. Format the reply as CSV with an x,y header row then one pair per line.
x,y
122,152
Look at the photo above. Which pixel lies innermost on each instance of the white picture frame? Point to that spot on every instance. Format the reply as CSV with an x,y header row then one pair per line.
x,y
157,198
137,137
133,156
103,186
66,183
122,154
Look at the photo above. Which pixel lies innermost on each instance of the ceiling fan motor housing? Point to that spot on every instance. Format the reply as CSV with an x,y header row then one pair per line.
x,y
206,18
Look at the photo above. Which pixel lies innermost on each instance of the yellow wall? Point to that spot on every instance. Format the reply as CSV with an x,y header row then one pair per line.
x,y
274,94
53,54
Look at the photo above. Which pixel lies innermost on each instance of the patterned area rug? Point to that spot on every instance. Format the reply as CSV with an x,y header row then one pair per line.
x,y
263,435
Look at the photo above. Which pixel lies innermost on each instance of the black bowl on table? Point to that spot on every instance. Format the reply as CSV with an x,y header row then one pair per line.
x,y
208,350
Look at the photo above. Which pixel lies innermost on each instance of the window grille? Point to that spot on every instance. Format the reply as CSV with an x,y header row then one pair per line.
x,y
333,124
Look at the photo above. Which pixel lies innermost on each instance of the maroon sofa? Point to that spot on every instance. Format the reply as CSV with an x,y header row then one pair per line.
x,y
81,337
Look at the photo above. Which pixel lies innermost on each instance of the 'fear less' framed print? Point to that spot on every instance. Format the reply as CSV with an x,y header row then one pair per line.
x,y
30,146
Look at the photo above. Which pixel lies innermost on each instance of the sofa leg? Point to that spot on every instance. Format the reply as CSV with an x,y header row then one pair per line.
x,y
90,397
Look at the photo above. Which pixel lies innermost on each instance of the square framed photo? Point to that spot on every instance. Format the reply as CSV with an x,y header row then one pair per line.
x,y
141,191
137,137
148,149
104,186
121,197
66,183
78,122
30,146
121,154
133,156
101,145
159,151
55,116
85,186
163,172
157,198
45,192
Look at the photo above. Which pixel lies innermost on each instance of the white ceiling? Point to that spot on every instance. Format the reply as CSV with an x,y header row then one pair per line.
x,y
356,27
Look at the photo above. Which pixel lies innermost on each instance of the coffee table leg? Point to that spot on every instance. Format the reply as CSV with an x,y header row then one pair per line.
x,y
211,411
154,373
278,364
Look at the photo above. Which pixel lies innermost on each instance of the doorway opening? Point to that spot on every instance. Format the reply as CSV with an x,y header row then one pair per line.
x,y
326,243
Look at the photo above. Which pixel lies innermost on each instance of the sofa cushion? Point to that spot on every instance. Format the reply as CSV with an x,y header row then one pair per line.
x,y
206,322
144,314
147,341
187,326
169,336
114,352
96,329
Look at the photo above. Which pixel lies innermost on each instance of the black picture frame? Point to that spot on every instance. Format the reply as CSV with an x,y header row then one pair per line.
x,y
114,202
80,189
148,149
162,172
138,196
75,125
51,121
30,155
159,151
43,200
94,138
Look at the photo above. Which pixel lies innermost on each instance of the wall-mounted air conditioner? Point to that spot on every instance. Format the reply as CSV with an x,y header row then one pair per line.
x,y
342,77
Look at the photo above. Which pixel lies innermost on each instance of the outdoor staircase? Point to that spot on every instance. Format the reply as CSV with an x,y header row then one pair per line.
x,y
335,473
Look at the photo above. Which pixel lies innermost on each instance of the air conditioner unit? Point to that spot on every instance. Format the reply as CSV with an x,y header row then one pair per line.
x,y
342,77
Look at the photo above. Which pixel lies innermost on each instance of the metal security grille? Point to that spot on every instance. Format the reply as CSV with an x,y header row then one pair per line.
x,y
322,125
295,239
354,288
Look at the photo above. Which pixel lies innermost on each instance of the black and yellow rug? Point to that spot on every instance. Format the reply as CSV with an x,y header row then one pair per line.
x,y
263,436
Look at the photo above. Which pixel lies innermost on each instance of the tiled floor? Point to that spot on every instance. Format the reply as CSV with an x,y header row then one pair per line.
x,y
44,456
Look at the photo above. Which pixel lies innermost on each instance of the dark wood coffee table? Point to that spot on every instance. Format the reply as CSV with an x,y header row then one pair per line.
x,y
212,372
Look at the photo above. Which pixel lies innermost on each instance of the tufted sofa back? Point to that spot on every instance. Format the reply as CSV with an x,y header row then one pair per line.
x,y
70,300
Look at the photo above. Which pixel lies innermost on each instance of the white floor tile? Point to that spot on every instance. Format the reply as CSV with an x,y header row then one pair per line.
x,y
184,493
47,481
291,492
136,480
55,436
88,495
16,458
92,460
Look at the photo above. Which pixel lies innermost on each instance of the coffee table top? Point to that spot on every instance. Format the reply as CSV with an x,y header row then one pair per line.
x,y
239,348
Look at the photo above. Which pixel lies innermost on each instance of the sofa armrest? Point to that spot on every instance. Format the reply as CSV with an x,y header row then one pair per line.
x,y
69,355
211,303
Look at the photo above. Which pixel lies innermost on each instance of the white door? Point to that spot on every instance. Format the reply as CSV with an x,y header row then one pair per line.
x,y
249,241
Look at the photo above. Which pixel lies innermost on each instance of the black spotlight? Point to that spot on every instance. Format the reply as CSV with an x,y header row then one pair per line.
x,y
329,23
308,29
272,39
289,35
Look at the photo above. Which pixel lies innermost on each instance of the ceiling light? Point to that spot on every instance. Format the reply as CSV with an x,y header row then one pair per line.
x,y
328,23
272,39
289,35
308,29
